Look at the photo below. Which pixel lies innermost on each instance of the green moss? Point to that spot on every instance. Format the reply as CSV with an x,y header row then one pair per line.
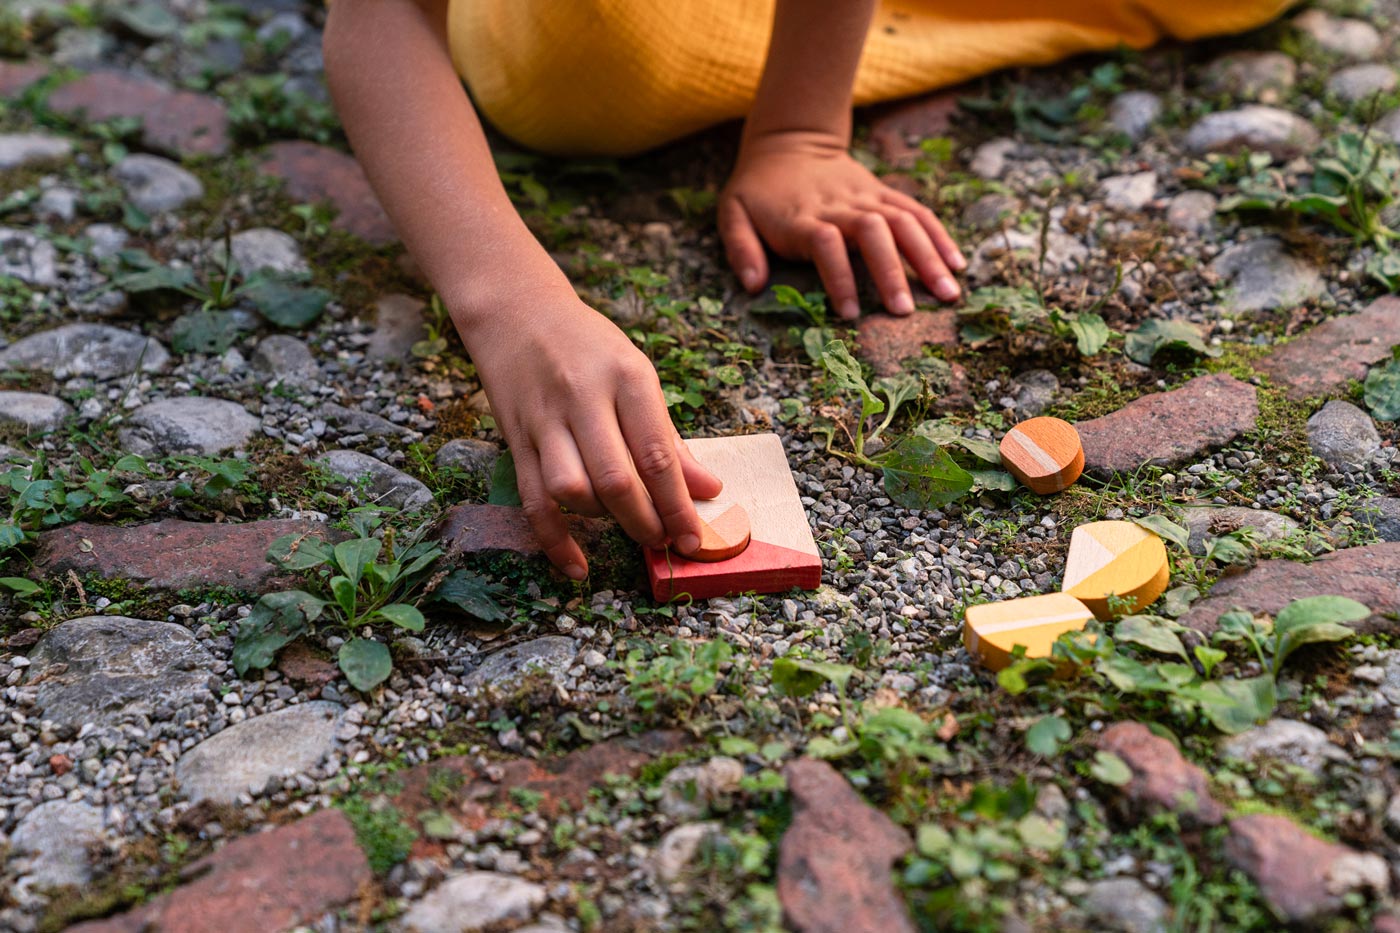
x,y
381,831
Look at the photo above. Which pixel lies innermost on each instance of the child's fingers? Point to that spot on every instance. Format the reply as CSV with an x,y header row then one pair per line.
x,y
651,438
914,243
544,516
826,247
742,244
877,245
615,479
565,477
701,483
942,240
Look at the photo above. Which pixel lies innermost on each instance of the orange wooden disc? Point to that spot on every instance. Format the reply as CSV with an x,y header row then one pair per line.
x,y
724,531
1044,454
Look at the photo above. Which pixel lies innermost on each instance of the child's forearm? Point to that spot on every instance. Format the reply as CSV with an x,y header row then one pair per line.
x,y
420,142
811,68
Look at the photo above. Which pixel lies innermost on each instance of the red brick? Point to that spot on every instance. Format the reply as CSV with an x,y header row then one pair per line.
x,y
1169,427
180,123
472,529
171,554
1322,360
897,129
1162,779
318,173
16,76
834,860
887,340
1302,877
1370,575
273,880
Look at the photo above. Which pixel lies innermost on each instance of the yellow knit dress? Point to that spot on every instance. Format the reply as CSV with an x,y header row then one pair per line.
x,y
614,77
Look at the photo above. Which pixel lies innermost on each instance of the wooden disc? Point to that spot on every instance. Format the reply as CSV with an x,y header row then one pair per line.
x,y
725,531
992,631
1044,454
1115,559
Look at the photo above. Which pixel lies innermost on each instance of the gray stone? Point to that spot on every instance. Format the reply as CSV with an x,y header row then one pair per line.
x,y
387,486
18,149
154,184
1132,113
474,900
688,791
28,257
99,351
1034,391
1343,436
1282,134
187,424
1126,905
1382,515
398,325
263,249
100,668
1211,522
52,842
990,211
989,161
1261,76
286,358
256,752
59,202
353,421
1062,252
1262,275
1350,38
1191,211
468,455
78,47
1390,126
551,655
677,849
107,239
1129,192
283,27
1287,741
32,413
1361,82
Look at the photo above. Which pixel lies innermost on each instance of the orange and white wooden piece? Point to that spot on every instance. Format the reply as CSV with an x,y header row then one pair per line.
x,y
780,553
1115,559
724,530
1045,454
992,631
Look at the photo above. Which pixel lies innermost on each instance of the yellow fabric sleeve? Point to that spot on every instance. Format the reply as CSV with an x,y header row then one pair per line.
x,y
614,77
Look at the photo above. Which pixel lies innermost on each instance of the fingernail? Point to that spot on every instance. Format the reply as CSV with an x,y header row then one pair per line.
x,y
575,572
959,263
750,279
849,309
687,544
946,288
903,303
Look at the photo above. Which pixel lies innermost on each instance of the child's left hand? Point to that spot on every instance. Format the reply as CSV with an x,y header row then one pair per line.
x,y
805,196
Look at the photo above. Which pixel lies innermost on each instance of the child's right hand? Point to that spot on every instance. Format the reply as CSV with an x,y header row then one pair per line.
x,y
582,410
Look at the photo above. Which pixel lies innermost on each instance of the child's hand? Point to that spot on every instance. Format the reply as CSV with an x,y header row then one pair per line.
x,y
805,196
582,410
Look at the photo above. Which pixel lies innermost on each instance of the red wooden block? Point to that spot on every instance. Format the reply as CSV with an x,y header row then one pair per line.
x,y
780,554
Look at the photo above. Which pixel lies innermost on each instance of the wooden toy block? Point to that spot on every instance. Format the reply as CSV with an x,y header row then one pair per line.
x,y
780,553
1044,454
992,631
1115,559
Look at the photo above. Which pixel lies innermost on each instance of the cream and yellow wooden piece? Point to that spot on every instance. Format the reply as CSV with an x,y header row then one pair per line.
x,y
1115,559
992,631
